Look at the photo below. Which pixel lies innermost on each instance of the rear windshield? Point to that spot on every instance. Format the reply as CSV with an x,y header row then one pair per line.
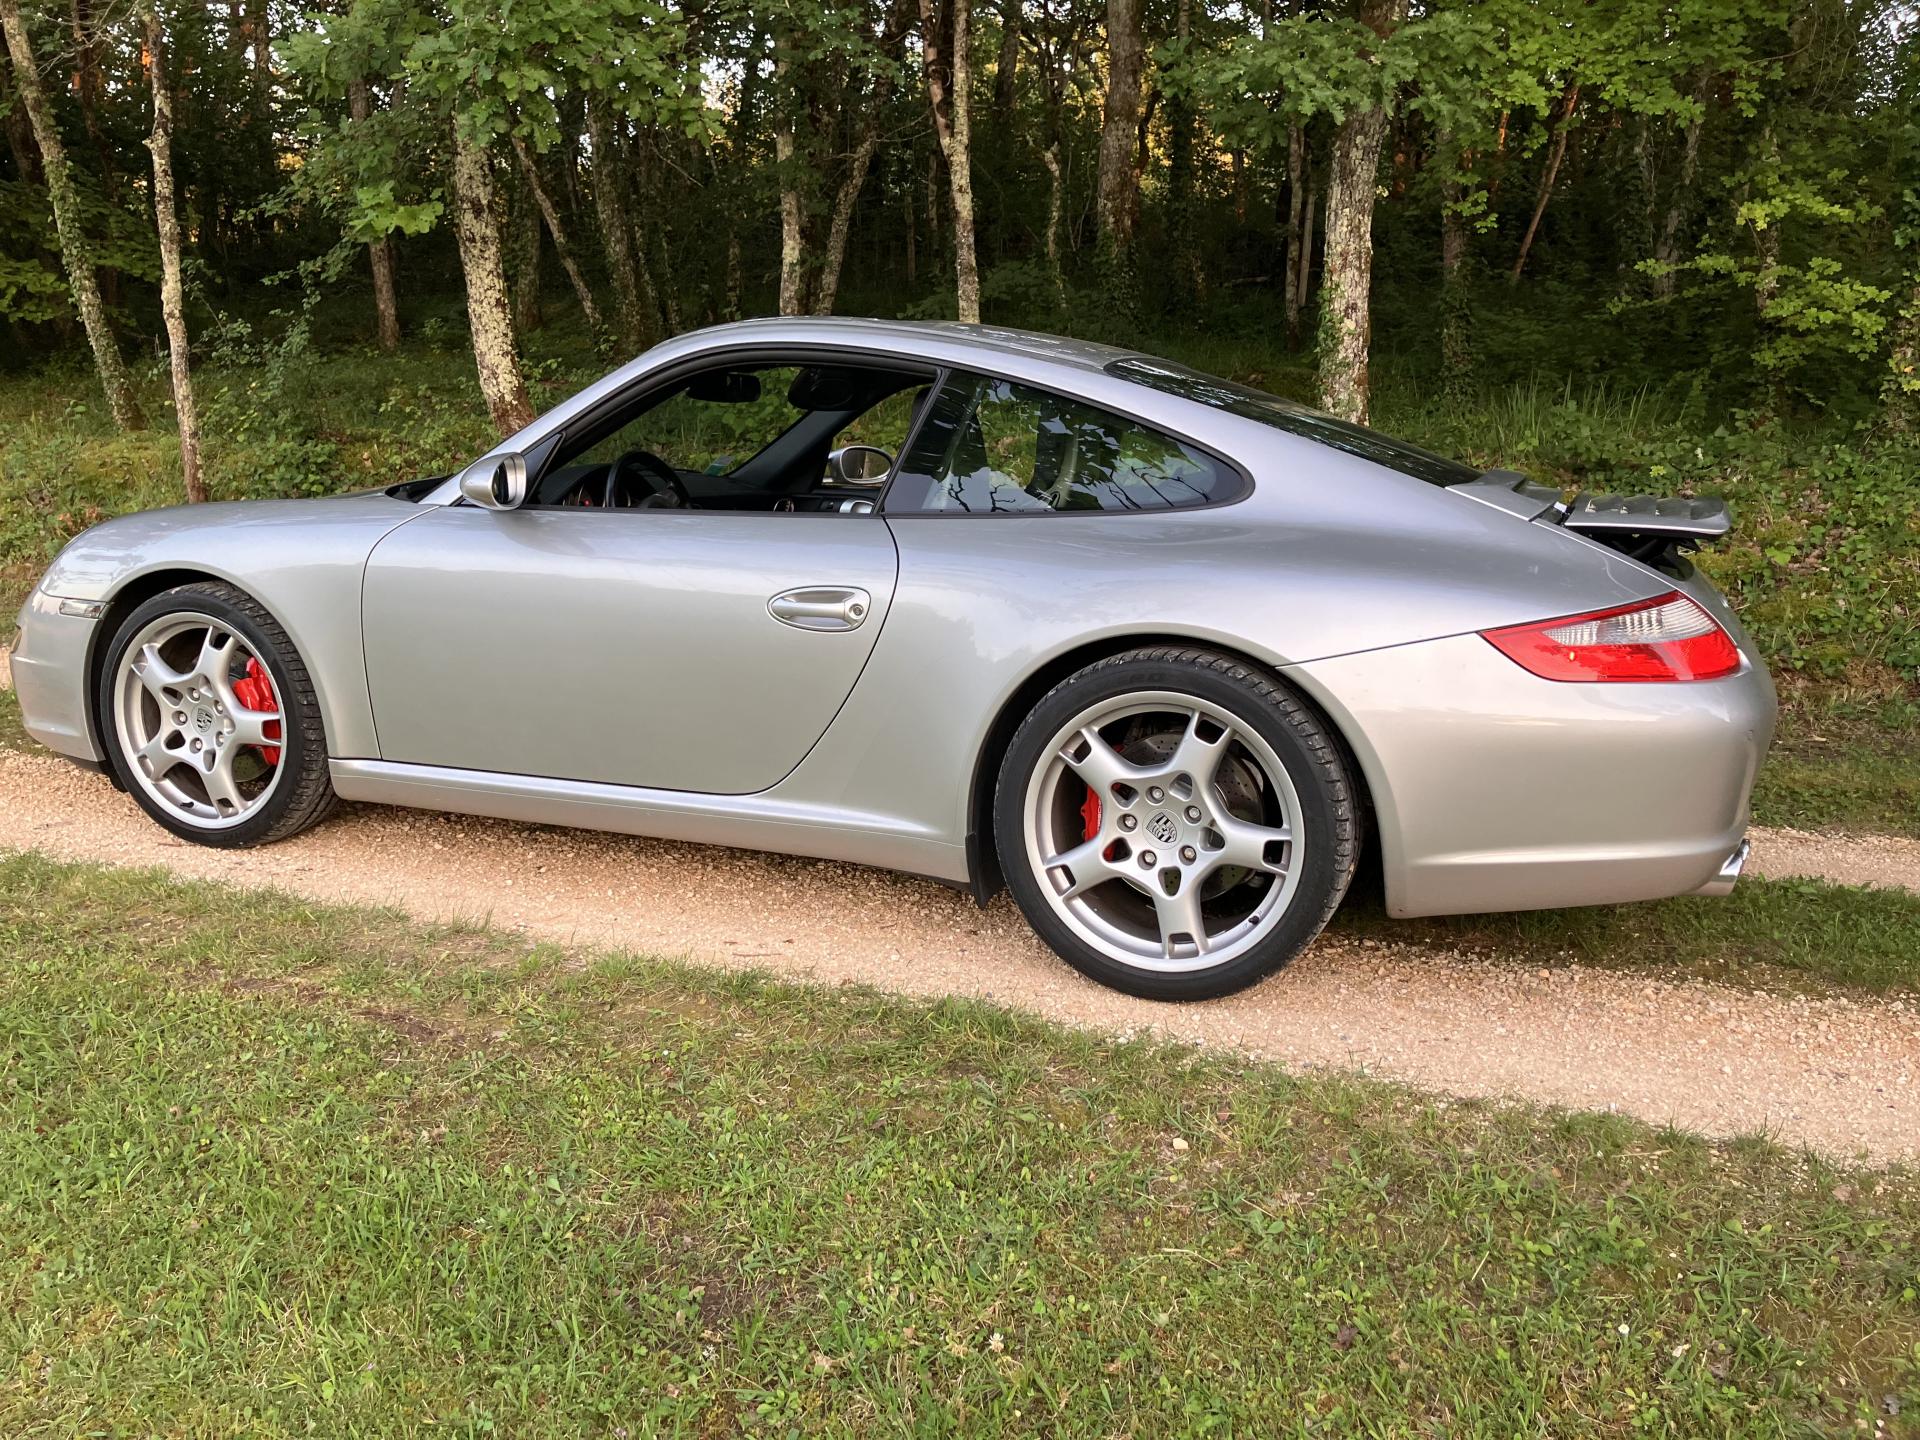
x,y
1251,404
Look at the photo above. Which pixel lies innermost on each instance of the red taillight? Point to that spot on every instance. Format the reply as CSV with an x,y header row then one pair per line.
x,y
1669,637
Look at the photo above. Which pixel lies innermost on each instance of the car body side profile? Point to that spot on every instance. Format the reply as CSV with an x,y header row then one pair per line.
x,y
1165,654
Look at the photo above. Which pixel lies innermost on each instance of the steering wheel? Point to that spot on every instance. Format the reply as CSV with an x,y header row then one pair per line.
x,y
659,482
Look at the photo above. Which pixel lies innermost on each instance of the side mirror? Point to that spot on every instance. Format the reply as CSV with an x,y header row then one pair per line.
x,y
860,465
496,482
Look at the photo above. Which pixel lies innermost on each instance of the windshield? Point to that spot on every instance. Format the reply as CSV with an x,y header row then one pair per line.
x,y
1251,404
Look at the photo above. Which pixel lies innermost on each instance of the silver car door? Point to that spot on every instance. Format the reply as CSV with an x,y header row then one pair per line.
x,y
684,650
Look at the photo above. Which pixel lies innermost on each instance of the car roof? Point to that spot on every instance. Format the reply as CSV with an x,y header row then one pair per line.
x,y
993,339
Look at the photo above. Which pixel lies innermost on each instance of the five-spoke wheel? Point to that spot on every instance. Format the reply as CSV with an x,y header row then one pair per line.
x,y
197,720
212,723
1180,824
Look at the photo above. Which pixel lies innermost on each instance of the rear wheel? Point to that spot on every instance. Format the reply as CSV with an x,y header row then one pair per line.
x,y
211,721
1174,823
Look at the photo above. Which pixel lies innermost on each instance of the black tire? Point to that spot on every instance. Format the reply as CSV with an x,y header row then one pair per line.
x,y
1311,755
303,796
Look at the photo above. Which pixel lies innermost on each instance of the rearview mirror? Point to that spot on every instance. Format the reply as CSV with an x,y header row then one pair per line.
x,y
725,387
496,482
860,465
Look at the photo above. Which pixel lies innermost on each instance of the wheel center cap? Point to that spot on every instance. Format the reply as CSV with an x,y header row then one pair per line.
x,y
1163,828
203,719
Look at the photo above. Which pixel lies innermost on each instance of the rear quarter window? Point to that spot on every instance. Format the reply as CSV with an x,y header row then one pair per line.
x,y
991,446
1309,424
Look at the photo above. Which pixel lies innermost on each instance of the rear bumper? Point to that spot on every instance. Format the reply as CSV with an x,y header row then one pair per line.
x,y
1496,790
50,677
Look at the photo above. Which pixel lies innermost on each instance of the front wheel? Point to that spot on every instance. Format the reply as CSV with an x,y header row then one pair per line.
x,y
211,721
1174,823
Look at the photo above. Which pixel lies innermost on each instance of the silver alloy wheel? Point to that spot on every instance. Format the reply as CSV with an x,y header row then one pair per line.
x,y
1164,868
188,741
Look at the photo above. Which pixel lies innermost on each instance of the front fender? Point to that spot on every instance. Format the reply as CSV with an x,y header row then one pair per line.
x,y
302,559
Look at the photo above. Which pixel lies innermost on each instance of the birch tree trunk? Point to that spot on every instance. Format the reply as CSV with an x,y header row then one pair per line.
x,y
386,307
1346,318
953,126
489,316
561,246
76,254
610,206
1554,157
167,224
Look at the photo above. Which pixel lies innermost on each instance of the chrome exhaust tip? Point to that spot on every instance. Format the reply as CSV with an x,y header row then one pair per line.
x,y
1730,868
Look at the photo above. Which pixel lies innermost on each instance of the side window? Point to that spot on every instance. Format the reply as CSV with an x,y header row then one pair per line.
x,y
715,424
992,446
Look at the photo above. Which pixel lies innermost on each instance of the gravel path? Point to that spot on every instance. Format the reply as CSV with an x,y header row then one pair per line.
x,y
1884,860
1841,1076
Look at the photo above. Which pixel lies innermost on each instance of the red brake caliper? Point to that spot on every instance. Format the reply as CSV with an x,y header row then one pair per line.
x,y
255,691
1090,814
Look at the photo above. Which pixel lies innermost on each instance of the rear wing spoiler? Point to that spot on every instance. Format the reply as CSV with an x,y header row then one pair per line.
x,y
1640,525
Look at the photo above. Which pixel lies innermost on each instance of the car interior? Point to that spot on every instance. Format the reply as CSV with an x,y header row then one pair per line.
x,y
816,437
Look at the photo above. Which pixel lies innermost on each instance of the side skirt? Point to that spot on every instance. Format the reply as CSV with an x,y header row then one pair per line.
x,y
748,822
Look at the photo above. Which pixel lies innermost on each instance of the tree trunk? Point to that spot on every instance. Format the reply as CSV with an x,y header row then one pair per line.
x,y
1456,314
1346,320
892,41
793,218
842,225
386,307
1188,281
1766,243
1666,244
1299,228
1120,119
609,204
489,316
167,223
953,126
75,251
19,138
1117,185
561,246
524,217
1056,207
1901,393
1006,69
1304,279
1555,153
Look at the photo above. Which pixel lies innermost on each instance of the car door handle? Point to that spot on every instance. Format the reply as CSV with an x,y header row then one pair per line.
x,y
821,607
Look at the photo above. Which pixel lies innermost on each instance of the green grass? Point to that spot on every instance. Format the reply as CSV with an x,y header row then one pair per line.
x,y
1792,936
1846,766
275,1169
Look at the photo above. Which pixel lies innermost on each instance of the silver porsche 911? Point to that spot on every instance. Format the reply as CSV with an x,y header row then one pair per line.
x,y
1165,655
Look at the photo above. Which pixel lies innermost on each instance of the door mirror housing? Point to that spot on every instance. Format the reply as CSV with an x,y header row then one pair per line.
x,y
496,482
866,465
